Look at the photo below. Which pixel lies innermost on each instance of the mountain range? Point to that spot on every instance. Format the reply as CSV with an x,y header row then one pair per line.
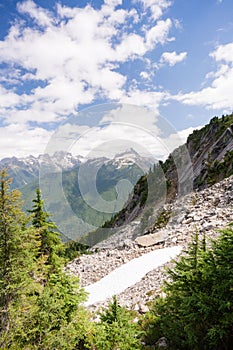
x,y
104,195
25,170
79,193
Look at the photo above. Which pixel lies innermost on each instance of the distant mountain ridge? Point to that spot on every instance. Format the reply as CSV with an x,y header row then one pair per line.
x,y
25,170
76,197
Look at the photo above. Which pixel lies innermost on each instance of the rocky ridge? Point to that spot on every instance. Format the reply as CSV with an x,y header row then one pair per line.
x,y
205,159
204,212
26,170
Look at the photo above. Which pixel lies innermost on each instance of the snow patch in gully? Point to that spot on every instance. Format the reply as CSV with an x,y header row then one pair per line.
x,y
128,274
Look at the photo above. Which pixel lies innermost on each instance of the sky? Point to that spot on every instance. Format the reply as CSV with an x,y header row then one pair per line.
x,y
76,75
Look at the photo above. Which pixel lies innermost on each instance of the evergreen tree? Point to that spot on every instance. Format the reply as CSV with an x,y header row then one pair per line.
x,y
117,329
50,241
38,310
18,247
60,320
197,312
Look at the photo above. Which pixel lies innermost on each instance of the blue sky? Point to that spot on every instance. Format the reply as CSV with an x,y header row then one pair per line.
x,y
57,58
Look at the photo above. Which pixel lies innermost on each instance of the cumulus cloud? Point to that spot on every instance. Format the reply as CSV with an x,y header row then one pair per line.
x,y
41,16
113,3
120,127
73,56
147,99
158,33
19,140
156,7
173,58
223,53
70,57
218,95
117,137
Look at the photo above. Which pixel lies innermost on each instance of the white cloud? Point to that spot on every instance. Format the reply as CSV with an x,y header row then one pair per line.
x,y
134,115
113,3
218,95
132,45
180,137
156,7
41,16
8,99
147,99
145,75
121,127
19,140
74,57
119,136
223,53
158,33
173,58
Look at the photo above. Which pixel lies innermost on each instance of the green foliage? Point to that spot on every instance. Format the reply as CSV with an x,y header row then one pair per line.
x,y
59,320
219,125
38,310
216,171
50,241
219,170
142,190
162,219
197,312
18,245
72,249
117,329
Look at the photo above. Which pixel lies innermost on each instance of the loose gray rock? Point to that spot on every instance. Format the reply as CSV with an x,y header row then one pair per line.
x,y
214,209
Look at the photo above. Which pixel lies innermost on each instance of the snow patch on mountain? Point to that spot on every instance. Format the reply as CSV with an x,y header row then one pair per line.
x,y
128,274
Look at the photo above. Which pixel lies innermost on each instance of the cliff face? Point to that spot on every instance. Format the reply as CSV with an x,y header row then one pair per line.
x,y
210,150
205,159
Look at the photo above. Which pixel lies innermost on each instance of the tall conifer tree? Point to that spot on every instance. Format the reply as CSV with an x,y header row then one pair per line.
x,y
17,252
50,241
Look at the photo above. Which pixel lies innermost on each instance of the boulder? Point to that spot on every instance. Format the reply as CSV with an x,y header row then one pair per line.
x,y
151,239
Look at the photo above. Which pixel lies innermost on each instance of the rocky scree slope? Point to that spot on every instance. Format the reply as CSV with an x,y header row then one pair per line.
x,y
203,211
205,159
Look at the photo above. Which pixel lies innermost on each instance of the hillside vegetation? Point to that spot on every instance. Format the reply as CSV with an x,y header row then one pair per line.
x,y
196,312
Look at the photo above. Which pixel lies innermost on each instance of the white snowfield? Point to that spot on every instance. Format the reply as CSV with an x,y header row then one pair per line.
x,y
128,274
